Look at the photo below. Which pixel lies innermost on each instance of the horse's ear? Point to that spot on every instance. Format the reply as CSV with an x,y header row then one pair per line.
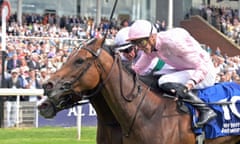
x,y
98,44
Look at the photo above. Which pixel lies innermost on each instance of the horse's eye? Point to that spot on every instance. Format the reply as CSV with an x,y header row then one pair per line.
x,y
79,61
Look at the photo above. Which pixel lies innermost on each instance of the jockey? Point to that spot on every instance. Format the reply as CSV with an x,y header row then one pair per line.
x,y
128,52
193,65
131,56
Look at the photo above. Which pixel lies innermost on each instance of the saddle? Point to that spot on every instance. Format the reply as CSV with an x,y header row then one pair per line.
x,y
152,82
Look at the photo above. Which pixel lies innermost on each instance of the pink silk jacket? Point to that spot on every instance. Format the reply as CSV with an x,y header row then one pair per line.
x,y
179,49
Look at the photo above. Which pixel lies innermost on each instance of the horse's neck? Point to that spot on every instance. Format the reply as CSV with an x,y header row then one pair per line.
x,y
127,106
108,129
123,109
104,113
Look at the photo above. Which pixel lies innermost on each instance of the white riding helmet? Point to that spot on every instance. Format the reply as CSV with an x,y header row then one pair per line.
x,y
141,29
121,39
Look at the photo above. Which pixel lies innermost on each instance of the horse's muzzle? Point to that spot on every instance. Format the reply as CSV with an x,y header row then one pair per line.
x,y
47,109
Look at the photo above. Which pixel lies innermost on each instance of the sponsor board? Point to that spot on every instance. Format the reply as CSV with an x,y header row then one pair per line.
x,y
68,117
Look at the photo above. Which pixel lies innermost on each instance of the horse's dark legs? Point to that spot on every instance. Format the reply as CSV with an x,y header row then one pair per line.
x,y
206,113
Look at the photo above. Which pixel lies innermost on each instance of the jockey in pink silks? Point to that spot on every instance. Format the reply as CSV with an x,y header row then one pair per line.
x,y
193,65
129,54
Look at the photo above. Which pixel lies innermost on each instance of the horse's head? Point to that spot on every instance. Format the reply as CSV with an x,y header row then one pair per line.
x,y
79,76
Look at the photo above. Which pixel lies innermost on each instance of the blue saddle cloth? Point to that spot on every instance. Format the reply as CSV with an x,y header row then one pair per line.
x,y
227,121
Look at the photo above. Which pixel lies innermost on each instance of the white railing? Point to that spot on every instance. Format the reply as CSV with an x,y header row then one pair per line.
x,y
36,92
22,92
18,93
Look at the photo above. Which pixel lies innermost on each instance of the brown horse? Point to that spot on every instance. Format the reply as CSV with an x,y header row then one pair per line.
x,y
108,129
144,116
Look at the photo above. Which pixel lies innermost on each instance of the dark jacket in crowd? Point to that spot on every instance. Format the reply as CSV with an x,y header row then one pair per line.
x,y
10,84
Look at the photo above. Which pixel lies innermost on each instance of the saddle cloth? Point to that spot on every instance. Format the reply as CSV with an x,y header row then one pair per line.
x,y
227,121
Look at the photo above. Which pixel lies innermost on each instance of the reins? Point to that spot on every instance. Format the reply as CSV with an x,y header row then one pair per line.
x,y
135,115
101,85
117,60
121,82
191,102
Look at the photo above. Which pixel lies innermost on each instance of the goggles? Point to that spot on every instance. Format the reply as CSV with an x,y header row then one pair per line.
x,y
140,42
126,48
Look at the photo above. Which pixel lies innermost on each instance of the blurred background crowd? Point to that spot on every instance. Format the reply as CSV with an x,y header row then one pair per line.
x,y
42,44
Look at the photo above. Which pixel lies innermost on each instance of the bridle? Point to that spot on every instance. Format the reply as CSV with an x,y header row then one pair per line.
x,y
67,87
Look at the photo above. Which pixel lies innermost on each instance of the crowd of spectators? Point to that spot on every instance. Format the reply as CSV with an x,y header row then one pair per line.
x,y
42,44
38,47
227,68
225,19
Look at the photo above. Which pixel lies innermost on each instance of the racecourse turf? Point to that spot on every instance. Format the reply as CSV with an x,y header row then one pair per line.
x,y
47,135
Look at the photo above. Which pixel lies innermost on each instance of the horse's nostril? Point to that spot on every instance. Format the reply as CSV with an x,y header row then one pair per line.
x,y
43,106
67,85
48,86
